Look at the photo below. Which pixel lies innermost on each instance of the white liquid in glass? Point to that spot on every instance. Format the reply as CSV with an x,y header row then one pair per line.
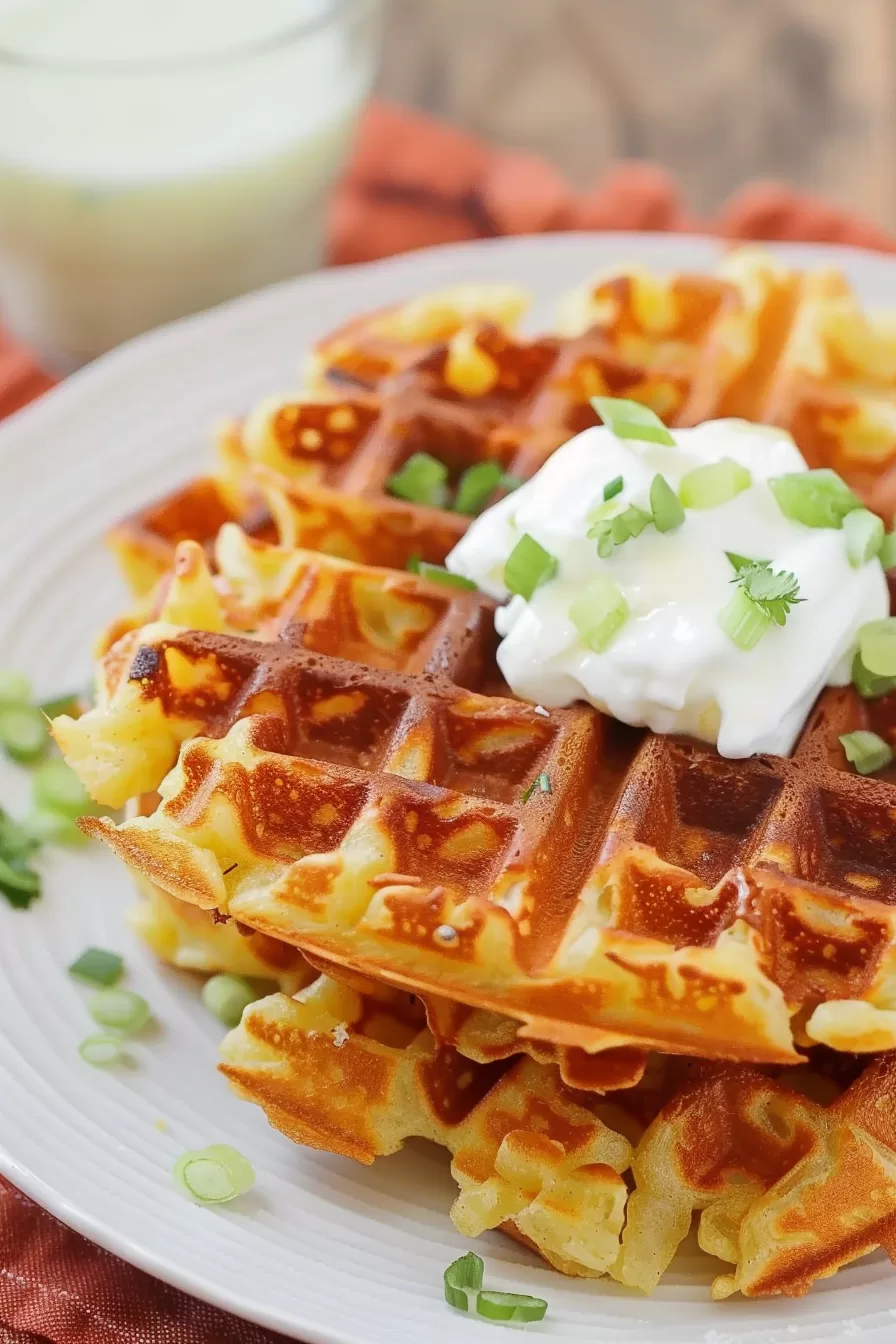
x,y
158,156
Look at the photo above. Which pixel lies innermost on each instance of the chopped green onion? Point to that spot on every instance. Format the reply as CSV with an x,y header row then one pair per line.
x,y
119,1009
15,688
54,828
664,505
18,883
816,498
510,1306
58,789
866,751
16,841
743,621
422,480
739,562
101,1050
630,420
23,733
438,574
225,997
888,551
476,487
541,782
867,684
96,966
864,534
708,487
463,1277
528,566
213,1175
599,613
613,488
618,529
877,646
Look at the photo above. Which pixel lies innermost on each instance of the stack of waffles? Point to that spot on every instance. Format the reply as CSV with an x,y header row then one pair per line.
x,y
621,979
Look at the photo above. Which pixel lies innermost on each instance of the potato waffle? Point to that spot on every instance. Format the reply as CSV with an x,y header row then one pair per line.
x,y
788,1188
658,897
445,374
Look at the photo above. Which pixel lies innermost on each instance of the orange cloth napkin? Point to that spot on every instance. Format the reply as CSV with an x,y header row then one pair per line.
x,y
411,182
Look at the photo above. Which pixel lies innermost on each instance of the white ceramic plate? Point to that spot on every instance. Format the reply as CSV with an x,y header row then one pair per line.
x,y
323,1250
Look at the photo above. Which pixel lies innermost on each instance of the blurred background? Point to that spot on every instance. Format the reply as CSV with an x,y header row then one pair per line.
x,y
718,91
160,156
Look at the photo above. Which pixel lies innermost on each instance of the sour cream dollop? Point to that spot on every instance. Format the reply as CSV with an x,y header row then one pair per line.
x,y
672,667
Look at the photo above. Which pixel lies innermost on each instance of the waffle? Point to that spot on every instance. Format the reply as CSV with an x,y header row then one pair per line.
x,y
703,906
788,1189
446,374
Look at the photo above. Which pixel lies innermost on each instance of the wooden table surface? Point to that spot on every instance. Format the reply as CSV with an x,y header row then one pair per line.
x,y
719,91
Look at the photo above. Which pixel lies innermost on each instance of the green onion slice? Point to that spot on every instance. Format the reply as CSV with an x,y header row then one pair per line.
x,y
599,613
866,751
15,688
96,966
888,551
18,883
877,646
528,566
867,684
119,1009
476,486
613,488
630,420
816,498
541,782
23,733
213,1175
16,840
708,487
422,480
743,621
58,789
438,574
225,997
463,1277
610,532
664,505
101,1050
510,1306
864,533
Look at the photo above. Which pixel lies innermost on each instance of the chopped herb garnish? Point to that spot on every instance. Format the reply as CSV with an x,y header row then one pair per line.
x,y
15,688
599,613
773,593
528,566
867,752
464,1292
714,484
96,966
102,1050
213,1175
877,646
739,562
816,498
119,1009
226,996
864,533
630,420
476,487
618,529
665,505
422,480
23,733
19,883
613,488
541,782
438,574
868,684
887,555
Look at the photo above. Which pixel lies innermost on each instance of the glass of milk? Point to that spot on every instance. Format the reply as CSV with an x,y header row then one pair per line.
x,y
159,156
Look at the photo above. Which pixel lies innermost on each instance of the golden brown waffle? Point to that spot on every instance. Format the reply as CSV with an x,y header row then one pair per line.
x,y
788,1188
446,375
358,1076
371,812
